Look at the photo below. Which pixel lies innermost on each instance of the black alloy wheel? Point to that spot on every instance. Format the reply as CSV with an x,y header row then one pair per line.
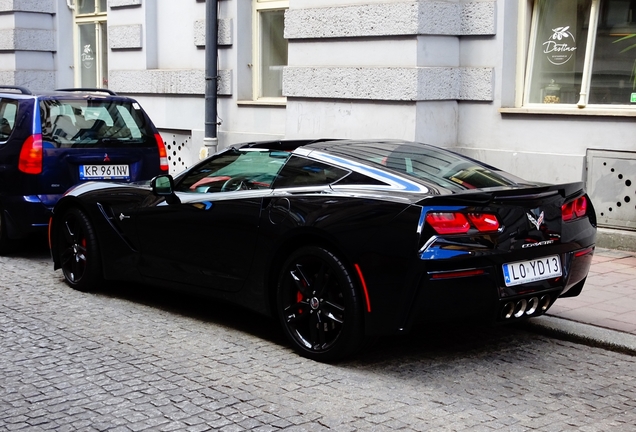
x,y
319,306
78,252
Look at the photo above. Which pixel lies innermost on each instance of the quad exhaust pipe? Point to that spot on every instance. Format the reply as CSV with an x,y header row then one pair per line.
x,y
528,307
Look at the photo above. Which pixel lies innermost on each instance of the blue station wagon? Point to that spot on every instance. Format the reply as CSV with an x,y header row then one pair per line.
x,y
52,141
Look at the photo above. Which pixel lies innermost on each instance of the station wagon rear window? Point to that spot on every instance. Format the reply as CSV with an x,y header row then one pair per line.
x,y
97,123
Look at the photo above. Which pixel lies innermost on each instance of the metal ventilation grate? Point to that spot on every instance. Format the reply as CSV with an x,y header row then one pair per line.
x,y
181,155
611,184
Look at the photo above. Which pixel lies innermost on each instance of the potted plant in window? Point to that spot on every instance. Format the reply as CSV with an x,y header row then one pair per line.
x,y
630,47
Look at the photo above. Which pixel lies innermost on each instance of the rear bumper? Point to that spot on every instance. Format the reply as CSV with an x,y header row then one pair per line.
x,y
29,214
479,292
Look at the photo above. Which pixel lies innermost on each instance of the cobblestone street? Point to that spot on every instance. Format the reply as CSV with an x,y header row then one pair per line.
x,y
132,358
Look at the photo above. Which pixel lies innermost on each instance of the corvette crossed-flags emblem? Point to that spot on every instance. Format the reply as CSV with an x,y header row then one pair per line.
x,y
536,222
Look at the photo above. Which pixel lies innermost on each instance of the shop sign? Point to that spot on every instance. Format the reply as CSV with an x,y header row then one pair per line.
x,y
88,59
560,46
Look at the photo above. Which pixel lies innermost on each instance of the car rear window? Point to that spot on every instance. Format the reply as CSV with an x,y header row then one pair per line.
x,y
428,163
102,122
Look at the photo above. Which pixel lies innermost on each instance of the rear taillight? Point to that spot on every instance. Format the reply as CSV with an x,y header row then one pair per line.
x,y
574,209
30,161
163,155
448,223
460,223
484,221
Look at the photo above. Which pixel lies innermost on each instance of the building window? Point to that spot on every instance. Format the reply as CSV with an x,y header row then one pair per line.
x,y
582,52
269,49
91,47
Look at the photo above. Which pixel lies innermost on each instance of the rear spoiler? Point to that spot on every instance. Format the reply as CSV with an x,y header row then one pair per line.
x,y
507,193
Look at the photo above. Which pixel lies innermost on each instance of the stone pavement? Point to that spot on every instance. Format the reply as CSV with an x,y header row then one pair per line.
x,y
131,358
609,297
605,311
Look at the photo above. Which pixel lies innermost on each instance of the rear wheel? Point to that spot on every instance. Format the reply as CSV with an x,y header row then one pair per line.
x,y
318,305
77,251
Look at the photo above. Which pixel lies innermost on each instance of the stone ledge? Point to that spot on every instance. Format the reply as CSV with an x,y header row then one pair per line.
x,y
35,80
27,40
582,333
616,239
114,4
389,83
224,32
167,81
125,37
42,6
392,19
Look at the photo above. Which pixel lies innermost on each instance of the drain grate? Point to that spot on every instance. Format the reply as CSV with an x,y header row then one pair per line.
x,y
611,184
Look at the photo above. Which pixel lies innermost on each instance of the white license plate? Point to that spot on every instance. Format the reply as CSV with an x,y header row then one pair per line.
x,y
104,172
522,272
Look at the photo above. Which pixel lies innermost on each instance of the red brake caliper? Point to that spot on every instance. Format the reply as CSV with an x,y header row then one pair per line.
x,y
299,298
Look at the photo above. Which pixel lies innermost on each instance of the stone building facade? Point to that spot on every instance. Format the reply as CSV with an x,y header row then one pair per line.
x,y
540,88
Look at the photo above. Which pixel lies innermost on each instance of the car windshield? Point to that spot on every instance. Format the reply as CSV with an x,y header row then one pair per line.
x,y
235,170
428,163
102,122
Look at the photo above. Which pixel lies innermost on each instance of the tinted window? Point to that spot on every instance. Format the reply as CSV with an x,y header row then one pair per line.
x,y
424,162
71,123
299,171
357,179
8,110
234,170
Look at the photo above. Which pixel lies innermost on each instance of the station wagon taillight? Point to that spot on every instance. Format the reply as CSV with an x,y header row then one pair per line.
x,y
574,209
30,161
460,223
163,154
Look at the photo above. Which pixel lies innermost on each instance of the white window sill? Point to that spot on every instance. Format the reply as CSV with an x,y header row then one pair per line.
x,y
264,102
572,110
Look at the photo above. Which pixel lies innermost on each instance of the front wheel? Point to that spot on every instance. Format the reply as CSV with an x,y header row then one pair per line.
x,y
318,305
77,251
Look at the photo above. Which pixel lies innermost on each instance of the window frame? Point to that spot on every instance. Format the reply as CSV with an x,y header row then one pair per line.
x,y
527,22
258,7
99,20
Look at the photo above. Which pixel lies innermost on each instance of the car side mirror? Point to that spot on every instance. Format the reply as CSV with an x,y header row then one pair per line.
x,y
163,186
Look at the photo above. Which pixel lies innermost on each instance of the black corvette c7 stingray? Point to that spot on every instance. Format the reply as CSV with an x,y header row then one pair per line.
x,y
341,240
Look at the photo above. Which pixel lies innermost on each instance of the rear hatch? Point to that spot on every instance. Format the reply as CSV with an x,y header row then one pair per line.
x,y
96,139
530,234
526,215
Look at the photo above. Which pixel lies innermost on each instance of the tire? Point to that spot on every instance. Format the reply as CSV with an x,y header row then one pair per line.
x,y
78,252
318,305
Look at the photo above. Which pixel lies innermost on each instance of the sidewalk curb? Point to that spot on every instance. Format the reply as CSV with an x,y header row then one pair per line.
x,y
583,333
